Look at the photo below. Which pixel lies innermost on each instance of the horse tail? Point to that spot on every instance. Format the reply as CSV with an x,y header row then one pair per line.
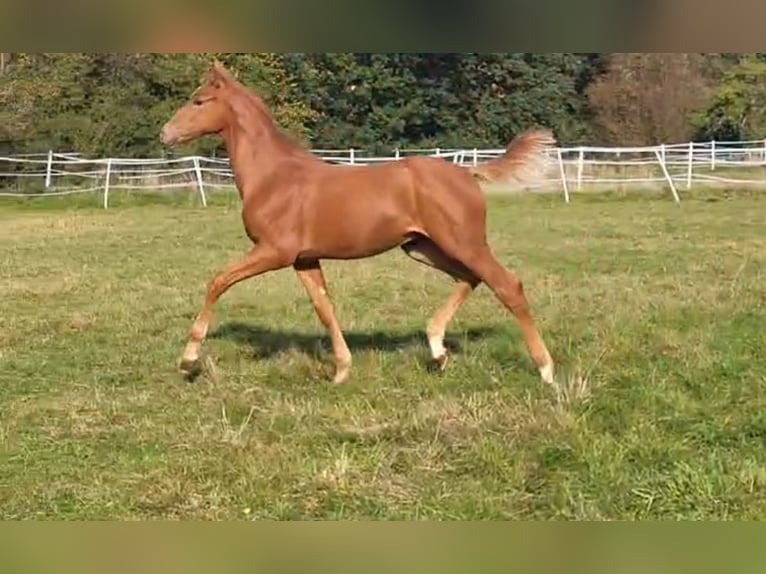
x,y
524,161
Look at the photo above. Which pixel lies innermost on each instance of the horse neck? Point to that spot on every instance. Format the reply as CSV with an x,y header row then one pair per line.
x,y
256,147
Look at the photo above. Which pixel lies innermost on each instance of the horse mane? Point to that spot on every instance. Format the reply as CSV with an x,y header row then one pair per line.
x,y
250,110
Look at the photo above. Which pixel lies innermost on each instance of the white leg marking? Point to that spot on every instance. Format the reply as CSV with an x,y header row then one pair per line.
x,y
546,373
191,353
436,342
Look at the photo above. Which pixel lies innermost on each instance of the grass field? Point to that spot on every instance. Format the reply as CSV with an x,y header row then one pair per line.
x,y
654,313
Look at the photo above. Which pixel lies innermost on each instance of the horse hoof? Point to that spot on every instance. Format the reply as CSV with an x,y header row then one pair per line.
x,y
340,377
441,362
190,369
438,364
546,374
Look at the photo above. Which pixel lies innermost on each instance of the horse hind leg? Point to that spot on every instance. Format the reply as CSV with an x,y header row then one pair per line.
x,y
509,290
425,251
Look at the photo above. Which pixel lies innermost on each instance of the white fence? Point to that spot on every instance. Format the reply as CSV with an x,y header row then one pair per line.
x,y
575,169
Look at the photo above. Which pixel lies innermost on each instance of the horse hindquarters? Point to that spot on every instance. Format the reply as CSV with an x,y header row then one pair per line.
x,y
455,220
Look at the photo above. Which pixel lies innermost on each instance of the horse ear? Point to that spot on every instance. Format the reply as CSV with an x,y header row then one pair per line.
x,y
218,66
218,74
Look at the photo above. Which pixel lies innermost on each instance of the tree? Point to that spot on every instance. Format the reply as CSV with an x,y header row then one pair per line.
x,y
650,98
115,104
421,99
502,95
736,110
363,100
35,92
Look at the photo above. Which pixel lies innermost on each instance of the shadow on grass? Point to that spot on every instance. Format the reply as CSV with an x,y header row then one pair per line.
x,y
267,342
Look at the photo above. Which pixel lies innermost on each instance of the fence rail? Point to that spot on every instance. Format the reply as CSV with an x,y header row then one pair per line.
x,y
574,169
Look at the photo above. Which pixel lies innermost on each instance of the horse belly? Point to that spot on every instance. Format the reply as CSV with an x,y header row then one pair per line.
x,y
359,227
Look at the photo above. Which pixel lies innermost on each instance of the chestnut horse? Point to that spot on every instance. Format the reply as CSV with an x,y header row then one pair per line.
x,y
298,210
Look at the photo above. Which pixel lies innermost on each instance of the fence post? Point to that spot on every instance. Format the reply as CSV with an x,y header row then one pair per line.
x,y
200,184
49,169
690,166
351,155
712,155
396,153
475,157
106,183
563,176
580,159
667,175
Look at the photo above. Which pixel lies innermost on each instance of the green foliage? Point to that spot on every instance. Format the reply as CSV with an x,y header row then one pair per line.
x,y
387,100
114,104
365,100
40,96
737,108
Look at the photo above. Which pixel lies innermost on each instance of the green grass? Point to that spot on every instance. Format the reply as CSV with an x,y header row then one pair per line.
x,y
654,313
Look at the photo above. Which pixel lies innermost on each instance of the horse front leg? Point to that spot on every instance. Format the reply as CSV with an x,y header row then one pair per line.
x,y
260,259
310,274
